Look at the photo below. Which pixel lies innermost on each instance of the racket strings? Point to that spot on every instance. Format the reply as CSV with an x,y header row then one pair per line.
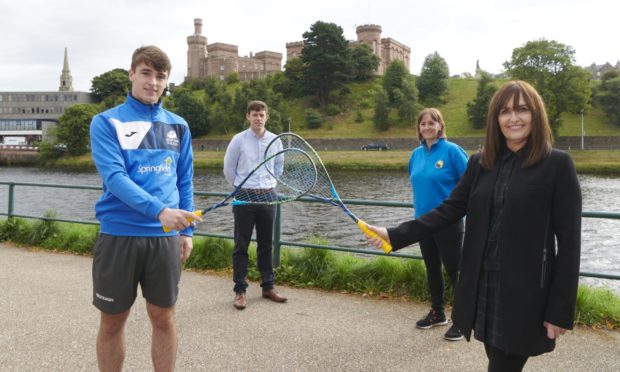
x,y
324,186
296,175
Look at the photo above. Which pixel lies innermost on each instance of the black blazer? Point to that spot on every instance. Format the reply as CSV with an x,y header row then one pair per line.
x,y
538,278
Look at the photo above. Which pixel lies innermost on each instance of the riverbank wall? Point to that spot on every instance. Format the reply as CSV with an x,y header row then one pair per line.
x,y
18,156
468,143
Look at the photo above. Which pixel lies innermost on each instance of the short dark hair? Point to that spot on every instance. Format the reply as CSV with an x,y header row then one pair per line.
x,y
257,106
539,143
151,56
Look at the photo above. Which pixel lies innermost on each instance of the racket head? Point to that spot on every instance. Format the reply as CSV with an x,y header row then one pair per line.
x,y
324,187
295,172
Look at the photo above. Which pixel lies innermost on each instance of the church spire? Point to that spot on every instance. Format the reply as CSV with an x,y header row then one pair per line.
x,y
66,80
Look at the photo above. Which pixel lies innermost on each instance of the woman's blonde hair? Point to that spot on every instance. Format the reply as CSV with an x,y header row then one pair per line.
x,y
436,116
539,143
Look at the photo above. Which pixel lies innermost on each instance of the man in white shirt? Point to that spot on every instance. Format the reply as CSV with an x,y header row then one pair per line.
x,y
245,151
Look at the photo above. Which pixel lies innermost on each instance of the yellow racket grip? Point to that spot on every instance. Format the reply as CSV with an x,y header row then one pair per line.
x,y
387,247
197,213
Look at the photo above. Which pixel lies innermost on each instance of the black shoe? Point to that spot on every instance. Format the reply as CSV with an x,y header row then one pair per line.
x,y
453,334
432,319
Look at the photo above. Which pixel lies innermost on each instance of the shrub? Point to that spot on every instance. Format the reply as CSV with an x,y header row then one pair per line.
x,y
314,119
332,109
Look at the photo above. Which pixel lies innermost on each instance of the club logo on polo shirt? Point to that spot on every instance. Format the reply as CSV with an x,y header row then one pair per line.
x,y
172,139
439,164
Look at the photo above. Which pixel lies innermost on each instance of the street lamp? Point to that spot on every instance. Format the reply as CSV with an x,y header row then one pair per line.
x,y
583,133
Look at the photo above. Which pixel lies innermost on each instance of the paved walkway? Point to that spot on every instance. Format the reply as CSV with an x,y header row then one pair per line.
x,y
47,323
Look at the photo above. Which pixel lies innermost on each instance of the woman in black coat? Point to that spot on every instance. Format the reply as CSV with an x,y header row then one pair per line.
x,y
517,286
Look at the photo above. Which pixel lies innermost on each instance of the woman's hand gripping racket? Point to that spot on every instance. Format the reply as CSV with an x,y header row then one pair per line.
x,y
324,189
294,170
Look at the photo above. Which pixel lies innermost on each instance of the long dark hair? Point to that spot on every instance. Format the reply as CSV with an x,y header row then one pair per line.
x,y
539,143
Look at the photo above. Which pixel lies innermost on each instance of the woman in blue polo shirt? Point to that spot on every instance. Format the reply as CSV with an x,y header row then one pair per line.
x,y
435,167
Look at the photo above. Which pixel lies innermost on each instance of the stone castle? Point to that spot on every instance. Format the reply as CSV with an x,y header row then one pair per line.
x,y
220,60
387,49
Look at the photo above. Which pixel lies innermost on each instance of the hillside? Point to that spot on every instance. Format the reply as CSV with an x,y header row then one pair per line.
x,y
461,91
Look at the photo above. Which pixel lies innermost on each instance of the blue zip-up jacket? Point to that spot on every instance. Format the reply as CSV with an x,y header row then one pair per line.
x,y
433,174
144,156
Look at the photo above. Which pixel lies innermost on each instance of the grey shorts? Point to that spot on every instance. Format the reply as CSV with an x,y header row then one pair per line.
x,y
121,262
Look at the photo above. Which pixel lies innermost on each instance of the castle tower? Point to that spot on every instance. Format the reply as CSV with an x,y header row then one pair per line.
x,y
66,80
196,52
371,36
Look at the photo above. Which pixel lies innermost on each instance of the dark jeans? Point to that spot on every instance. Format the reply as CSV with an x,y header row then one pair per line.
x,y
444,246
246,218
499,361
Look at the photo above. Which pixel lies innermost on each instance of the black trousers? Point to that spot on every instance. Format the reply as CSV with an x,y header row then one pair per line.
x,y
444,246
246,218
499,361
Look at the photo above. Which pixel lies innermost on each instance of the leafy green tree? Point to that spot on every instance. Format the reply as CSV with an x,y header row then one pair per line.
x,y
394,79
549,66
433,81
478,108
381,118
111,86
294,72
192,109
364,62
607,95
73,128
325,57
400,88
407,101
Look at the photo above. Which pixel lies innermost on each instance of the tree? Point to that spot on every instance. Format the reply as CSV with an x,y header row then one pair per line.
x,y
110,86
433,81
74,128
549,66
394,79
381,118
400,88
192,110
607,95
478,108
325,57
364,62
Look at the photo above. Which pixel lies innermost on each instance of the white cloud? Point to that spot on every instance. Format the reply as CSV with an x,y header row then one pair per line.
x,y
101,35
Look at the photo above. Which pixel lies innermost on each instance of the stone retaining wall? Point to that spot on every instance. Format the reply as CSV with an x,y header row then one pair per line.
x,y
468,143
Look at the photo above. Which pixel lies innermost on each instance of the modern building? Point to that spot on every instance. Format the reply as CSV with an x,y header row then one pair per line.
x,y
220,60
387,49
29,115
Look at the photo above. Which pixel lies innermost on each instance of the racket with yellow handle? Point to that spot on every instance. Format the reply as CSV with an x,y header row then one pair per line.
x,y
294,171
324,189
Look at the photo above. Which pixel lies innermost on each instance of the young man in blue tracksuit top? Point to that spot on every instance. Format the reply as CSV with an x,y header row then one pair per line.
x,y
144,156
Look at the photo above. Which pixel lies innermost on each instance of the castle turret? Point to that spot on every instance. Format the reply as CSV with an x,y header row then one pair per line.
x,y
196,52
371,36
66,80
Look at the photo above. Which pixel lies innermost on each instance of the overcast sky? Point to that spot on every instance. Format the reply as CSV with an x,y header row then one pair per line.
x,y
101,35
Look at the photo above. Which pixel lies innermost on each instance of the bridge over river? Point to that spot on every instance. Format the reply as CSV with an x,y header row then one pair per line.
x,y
47,323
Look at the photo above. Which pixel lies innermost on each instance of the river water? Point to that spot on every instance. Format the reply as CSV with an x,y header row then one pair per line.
x,y
302,221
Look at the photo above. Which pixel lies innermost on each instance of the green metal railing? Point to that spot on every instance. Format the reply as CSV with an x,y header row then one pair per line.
x,y
277,241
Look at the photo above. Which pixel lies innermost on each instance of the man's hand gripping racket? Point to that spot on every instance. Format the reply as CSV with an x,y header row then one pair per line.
x,y
293,169
324,190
